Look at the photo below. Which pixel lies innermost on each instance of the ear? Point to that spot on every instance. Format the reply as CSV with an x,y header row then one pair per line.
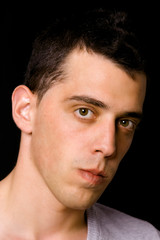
x,y
23,105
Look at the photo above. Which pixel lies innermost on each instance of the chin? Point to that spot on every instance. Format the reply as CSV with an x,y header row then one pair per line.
x,y
79,198
81,206
82,203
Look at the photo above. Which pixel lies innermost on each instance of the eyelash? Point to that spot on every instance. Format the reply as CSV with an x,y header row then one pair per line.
x,y
90,115
131,124
85,117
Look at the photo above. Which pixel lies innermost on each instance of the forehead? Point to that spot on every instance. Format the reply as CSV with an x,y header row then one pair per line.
x,y
91,74
96,72
82,60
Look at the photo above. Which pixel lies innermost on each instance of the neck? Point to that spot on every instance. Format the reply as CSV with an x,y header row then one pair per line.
x,y
30,206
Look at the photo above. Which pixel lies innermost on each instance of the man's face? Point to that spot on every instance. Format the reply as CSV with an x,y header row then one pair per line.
x,y
83,127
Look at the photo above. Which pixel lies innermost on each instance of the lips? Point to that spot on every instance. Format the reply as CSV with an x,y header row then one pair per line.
x,y
96,172
93,176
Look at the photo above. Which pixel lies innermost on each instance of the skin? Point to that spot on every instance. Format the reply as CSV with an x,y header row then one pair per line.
x,y
71,145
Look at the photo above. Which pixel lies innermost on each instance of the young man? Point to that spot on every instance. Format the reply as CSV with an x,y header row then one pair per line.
x,y
77,111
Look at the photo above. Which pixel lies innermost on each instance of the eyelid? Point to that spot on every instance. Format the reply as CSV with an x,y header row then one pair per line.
x,y
85,106
89,116
134,123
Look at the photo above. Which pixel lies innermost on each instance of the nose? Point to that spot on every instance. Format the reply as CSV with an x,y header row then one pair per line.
x,y
105,139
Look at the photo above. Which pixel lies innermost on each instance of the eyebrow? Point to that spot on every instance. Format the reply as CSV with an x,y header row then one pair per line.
x,y
89,100
100,104
138,115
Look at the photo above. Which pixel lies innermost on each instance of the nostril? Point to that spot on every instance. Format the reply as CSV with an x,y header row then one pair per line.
x,y
107,152
110,155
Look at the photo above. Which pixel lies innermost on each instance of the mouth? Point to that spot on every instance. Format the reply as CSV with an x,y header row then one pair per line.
x,y
93,176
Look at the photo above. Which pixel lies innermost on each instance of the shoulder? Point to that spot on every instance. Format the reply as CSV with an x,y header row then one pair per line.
x,y
116,225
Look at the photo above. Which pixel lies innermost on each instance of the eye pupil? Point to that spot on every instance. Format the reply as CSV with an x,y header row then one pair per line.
x,y
83,111
125,123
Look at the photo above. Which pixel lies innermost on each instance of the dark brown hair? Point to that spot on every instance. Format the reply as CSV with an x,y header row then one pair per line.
x,y
99,31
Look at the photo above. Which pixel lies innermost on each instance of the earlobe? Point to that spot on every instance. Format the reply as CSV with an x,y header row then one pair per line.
x,y
22,108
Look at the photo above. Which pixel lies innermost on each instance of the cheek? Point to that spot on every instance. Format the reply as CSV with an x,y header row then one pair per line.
x,y
42,141
124,143
52,141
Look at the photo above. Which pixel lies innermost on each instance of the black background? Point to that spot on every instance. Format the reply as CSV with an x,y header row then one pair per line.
x,y
135,188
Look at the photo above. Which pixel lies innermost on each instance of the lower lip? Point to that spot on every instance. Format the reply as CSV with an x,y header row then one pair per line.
x,y
91,178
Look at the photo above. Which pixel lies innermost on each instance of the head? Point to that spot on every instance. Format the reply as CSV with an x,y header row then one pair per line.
x,y
83,99
106,33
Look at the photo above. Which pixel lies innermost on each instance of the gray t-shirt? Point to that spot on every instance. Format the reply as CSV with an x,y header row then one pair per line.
x,y
105,223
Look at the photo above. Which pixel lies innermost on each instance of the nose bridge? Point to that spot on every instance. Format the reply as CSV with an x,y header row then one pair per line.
x,y
105,139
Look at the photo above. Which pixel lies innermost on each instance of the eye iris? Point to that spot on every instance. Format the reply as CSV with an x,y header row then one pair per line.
x,y
125,123
83,111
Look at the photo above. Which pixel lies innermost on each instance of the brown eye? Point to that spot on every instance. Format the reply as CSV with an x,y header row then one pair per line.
x,y
125,123
83,111
128,124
